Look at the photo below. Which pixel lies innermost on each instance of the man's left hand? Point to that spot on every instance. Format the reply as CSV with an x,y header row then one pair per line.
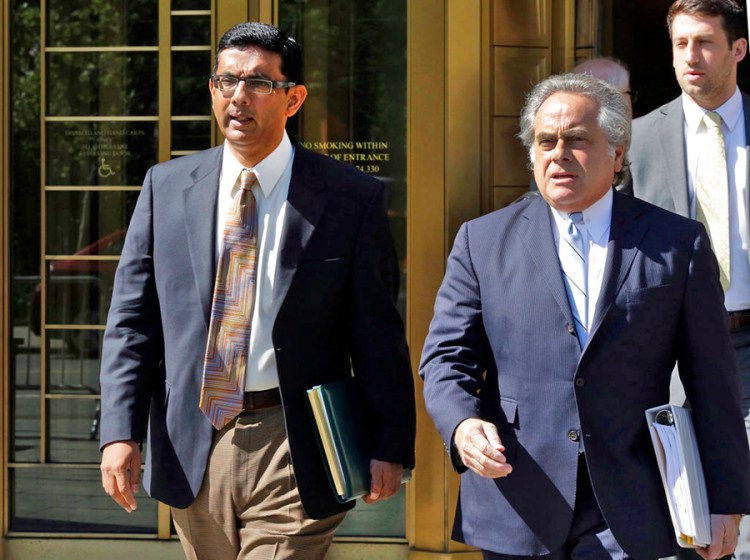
x,y
385,480
724,532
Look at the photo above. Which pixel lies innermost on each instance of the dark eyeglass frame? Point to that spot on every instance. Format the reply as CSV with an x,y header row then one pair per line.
x,y
252,84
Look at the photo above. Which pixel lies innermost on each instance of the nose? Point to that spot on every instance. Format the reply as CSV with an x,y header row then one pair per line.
x,y
691,52
240,95
559,152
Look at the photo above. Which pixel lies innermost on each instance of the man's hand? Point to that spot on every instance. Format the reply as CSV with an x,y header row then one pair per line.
x,y
121,472
385,480
724,532
480,448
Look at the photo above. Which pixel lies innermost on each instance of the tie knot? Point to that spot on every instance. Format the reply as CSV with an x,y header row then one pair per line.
x,y
576,218
712,119
247,179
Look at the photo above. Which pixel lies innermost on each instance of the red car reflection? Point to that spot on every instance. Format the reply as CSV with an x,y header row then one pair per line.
x,y
79,289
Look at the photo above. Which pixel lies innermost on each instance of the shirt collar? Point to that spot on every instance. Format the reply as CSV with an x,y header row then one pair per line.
x,y
267,171
730,111
597,217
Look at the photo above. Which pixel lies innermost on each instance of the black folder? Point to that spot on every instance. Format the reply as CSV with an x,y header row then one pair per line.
x,y
341,422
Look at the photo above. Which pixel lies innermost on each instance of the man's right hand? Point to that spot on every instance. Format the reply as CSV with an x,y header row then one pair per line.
x,y
121,472
480,448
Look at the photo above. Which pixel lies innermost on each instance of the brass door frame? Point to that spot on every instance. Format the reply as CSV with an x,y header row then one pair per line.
x,y
447,157
4,250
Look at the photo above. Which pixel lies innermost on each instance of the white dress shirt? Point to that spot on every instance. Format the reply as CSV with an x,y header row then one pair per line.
x,y
737,296
597,218
271,190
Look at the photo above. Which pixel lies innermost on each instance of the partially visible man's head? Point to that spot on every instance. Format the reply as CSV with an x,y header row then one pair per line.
x,y
577,131
708,41
610,70
252,114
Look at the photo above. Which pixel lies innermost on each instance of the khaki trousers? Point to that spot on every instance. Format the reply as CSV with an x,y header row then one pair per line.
x,y
249,506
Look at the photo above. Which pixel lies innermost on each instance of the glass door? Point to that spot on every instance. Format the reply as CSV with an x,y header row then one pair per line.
x,y
100,91
354,57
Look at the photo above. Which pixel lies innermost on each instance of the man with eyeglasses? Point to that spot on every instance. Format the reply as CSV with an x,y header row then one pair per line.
x,y
252,272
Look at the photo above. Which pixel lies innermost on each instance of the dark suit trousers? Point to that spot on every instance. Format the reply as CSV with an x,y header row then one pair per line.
x,y
589,537
249,507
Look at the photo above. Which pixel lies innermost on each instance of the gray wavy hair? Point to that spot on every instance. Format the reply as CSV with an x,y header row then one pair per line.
x,y
613,117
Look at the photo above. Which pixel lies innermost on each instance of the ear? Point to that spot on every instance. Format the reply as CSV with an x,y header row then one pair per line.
x,y
210,86
297,96
619,158
739,49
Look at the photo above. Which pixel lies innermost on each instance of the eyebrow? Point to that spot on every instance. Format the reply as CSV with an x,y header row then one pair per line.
x,y
257,75
566,135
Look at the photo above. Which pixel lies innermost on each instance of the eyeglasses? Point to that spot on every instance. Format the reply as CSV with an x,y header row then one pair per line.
x,y
226,84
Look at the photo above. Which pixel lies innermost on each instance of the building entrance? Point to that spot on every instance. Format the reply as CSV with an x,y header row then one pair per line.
x,y
98,92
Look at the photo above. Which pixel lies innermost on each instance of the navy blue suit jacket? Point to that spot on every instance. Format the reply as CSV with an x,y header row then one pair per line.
x,y
501,347
334,293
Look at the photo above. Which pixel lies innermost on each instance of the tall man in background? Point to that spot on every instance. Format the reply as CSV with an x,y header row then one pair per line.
x,y
250,273
690,156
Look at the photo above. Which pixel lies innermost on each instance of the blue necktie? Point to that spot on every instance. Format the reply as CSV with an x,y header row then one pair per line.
x,y
573,262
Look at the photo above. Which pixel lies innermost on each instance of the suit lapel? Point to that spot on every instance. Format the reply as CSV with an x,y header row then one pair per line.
x,y
672,143
537,236
199,199
305,205
625,234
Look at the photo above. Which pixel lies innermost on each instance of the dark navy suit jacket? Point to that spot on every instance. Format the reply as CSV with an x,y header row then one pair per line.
x,y
334,293
501,347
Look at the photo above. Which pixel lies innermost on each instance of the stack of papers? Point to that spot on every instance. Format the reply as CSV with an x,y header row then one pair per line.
x,y
677,455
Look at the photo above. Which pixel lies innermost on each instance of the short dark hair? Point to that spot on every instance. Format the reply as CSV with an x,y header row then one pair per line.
x,y
267,37
732,15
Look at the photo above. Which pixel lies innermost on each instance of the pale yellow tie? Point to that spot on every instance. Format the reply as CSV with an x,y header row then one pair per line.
x,y
712,193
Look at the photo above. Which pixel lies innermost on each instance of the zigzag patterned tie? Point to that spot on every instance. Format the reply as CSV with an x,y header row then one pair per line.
x,y
712,193
229,332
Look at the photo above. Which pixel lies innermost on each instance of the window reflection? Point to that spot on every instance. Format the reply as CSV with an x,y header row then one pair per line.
x,y
102,83
355,70
74,429
88,222
100,153
96,24
191,135
26,406
78,291
191,30
70,500
191,70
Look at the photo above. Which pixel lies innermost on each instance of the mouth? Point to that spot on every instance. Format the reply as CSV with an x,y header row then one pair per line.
x,y
561,177
693,74
238,119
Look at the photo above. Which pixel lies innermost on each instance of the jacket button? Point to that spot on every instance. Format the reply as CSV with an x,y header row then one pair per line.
x,y
573,435
580,382
571,328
